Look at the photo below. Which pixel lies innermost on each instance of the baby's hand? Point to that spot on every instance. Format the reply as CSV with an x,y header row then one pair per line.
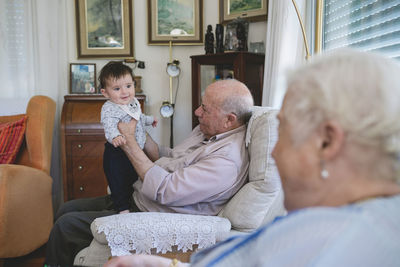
x,y
154,124
118,141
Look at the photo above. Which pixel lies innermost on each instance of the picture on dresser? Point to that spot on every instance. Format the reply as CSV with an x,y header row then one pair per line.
x,y
180,22
104,28
82,78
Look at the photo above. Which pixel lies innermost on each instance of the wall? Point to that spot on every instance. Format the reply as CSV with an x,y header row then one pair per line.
x,y
155,81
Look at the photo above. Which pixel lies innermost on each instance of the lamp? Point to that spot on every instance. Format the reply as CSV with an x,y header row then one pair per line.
x,y
302,29
173,69
140,64
167,107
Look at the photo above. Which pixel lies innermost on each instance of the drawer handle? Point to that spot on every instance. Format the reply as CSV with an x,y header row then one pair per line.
x,y
80,168
79,146
81,188
79,130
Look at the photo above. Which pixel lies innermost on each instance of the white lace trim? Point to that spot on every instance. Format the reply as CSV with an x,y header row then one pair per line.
x,y
143,231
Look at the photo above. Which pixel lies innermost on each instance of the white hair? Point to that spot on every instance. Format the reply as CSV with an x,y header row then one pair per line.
x,y
236,98
360,90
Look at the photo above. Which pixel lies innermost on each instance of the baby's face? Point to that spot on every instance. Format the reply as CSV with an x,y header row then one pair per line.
x,y
120,91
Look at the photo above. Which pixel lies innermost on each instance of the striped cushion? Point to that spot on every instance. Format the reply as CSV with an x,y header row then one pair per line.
x,y
11,137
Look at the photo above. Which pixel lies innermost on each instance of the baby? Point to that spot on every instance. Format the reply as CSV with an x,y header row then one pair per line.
x,y
117,84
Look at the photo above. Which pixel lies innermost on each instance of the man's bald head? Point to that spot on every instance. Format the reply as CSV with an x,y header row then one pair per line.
x,y
232,96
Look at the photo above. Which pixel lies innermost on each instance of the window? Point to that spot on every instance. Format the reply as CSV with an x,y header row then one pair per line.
x,y
367,25
15,68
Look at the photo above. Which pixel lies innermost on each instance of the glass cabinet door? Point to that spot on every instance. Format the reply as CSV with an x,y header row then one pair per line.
x,y
212,73
246,67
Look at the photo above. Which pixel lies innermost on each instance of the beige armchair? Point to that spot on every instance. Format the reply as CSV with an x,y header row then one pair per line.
x,y
178,235
26,214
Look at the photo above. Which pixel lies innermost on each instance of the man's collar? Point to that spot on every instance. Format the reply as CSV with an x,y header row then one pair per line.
x,y
225,134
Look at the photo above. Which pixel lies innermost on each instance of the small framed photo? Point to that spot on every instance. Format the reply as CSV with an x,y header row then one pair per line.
x,y
104,28
251,10
180,22
82,78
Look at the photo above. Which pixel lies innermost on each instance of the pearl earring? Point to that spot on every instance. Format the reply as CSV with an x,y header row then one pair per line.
x,y
324,172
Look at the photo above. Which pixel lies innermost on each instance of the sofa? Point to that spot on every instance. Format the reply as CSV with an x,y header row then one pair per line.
x,y
26,212
177,235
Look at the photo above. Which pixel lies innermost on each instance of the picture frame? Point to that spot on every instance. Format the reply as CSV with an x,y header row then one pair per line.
x,y
251,10
231,39
104,31
82,78
179,22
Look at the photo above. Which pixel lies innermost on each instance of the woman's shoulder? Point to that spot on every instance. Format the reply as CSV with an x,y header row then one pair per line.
x,y
374,210
320,234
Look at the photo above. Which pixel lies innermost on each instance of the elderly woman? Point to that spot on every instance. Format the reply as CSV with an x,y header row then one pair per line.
x,y
338,155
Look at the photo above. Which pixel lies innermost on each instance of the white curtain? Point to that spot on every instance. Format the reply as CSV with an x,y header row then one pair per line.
x,y
33,61
284,48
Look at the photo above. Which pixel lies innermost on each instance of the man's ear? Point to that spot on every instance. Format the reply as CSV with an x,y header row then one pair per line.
x,y
231,120
333,139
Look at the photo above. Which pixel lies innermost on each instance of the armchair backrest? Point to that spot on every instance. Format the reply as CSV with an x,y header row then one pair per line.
x,y
261,199
36,150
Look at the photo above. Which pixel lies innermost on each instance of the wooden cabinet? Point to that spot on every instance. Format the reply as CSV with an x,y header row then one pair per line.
x,y
244,66
82,146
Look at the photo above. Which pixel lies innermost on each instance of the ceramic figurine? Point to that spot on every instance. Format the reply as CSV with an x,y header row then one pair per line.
x,y
209,41
219,36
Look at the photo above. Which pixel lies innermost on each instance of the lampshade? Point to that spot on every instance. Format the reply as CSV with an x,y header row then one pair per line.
x,y
173,69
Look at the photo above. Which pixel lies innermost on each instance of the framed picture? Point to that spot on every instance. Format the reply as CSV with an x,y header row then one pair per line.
x,y
104,28
180,22
251,10
232,35
82,78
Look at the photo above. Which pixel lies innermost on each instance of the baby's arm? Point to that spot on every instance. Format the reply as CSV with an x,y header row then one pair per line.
x,y
149,120
110,124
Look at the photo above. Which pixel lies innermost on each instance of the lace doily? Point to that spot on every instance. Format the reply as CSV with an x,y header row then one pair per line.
x,y
143,231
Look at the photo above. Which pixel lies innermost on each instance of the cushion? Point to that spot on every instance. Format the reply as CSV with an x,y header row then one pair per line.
x,y
261,199
11,137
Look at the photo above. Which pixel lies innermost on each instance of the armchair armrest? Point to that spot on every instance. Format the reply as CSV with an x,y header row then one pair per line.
x,y
144,232
24,229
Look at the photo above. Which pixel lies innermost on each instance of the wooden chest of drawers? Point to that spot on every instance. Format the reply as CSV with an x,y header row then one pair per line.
x,y
82,146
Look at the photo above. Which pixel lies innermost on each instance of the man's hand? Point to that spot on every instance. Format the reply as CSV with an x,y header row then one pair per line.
x,y
135,154
119,141
128,128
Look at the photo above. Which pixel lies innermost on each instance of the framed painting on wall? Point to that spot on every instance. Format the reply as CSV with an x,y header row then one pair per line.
x,y
178,21
251,10
82,78
104,28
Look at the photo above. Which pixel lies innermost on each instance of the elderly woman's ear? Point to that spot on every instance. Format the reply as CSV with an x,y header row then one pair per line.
x,y
332,139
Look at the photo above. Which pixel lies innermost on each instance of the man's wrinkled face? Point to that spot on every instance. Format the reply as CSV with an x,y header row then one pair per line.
x,y
211,117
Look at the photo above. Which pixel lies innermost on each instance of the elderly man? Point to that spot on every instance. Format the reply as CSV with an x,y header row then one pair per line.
x,y
198,176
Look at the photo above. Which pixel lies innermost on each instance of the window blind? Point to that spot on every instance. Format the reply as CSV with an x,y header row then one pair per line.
x,y
368,25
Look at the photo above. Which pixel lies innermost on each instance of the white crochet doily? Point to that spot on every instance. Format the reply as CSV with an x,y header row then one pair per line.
x,y
143,231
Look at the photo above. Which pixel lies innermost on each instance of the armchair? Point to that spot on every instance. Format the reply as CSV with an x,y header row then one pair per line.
x,y
178,235
26,214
